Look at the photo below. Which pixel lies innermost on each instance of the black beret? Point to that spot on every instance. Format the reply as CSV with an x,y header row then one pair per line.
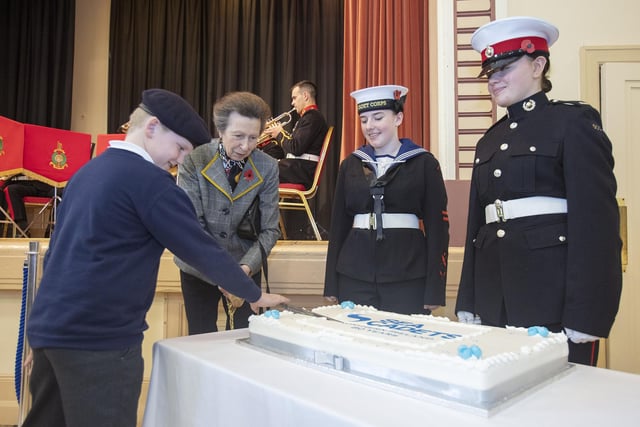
x,y
176,114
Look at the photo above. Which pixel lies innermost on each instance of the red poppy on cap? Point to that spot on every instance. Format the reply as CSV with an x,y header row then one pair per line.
x,y
385,97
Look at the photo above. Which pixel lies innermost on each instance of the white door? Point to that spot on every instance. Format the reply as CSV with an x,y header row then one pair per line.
x,y
620,83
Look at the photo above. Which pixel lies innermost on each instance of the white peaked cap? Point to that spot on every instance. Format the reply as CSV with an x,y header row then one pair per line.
x,y
506,40
515,27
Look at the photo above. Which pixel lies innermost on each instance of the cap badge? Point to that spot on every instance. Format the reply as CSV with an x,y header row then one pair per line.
x,y
396,94
488,52
528,46
529,105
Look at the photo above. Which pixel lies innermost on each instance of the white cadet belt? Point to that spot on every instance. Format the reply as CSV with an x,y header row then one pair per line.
x,y
304,156
389,220
502,210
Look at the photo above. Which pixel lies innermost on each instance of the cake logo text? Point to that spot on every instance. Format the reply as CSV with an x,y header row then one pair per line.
x,y
401,326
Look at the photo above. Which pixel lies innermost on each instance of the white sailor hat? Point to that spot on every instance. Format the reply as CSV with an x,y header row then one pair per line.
x,y
386,97
505,40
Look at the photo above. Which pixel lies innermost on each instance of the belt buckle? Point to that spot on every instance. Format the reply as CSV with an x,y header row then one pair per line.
x,y
499,210
372,221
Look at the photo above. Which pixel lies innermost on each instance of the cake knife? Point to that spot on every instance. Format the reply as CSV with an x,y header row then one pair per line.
x,y
304,311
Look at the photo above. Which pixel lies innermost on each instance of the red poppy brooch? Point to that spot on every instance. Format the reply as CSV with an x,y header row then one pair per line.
x,y
528,46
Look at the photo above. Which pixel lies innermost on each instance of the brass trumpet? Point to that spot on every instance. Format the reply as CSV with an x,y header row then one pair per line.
x,y
283,119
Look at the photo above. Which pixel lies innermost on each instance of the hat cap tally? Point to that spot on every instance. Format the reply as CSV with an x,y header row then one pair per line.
x,y
385,97
512,38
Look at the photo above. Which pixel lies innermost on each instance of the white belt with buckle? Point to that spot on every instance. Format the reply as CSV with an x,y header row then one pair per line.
x,y
389,220
503,210
305,156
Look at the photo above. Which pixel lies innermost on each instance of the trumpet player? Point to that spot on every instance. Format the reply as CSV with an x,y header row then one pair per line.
x,y
270,145
301,148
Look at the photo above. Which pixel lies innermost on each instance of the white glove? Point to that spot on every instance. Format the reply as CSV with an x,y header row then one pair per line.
x,y
579,337
466,317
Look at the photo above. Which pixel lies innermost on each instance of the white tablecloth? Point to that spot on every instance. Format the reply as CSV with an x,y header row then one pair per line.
x,y
212,380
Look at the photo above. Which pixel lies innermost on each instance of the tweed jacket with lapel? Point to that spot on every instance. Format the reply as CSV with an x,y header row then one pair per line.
x,y
219,209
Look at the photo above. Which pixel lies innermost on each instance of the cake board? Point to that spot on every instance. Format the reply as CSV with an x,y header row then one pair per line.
x,y
406,384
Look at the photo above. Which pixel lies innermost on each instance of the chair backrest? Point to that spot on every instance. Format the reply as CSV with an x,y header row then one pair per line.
x,y
321,161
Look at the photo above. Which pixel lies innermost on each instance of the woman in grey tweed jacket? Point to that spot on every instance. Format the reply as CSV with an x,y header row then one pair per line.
x,y
222,178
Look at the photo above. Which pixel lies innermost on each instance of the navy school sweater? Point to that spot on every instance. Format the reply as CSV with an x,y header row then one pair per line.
x,y
118,214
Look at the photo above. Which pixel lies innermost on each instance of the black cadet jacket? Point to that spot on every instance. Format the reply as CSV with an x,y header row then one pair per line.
x,y
554,268
404,254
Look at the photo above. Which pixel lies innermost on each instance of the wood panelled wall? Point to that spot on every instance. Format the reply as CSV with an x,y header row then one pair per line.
x,y
475,111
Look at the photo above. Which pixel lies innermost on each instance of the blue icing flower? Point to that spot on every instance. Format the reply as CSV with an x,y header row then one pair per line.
x,y
538,330
466,352
475,350
275,314
347,304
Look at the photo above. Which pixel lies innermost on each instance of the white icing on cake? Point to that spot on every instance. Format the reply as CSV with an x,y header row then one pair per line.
x,y
422,346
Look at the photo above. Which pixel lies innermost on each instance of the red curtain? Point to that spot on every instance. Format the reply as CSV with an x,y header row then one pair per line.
x,y
386,42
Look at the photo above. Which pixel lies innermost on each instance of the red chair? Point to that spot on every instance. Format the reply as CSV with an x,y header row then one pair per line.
x,y
296,197
7,219
45,214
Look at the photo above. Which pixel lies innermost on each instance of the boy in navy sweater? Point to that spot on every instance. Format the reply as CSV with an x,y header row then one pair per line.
x,y
120,212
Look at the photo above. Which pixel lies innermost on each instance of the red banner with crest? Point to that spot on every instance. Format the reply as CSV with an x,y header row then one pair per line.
x,y
11,146
46,154
54,155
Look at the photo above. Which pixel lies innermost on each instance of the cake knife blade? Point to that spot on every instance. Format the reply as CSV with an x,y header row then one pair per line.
x,y
305,311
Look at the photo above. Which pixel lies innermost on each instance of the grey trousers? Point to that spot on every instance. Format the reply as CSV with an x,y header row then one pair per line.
x,y
77,388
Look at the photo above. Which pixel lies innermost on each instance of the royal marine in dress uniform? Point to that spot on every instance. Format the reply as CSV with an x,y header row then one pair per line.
x,y
542,244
